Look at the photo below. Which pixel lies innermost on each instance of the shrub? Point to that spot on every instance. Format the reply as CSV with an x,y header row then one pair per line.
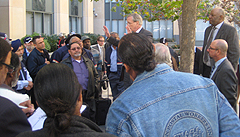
x,y
49,40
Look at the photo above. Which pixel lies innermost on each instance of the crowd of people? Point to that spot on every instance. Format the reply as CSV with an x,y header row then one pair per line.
x,y
150,96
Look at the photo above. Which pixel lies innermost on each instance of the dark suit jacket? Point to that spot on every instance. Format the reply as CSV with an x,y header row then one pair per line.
x,y
147,33
12,119
226,81
229,34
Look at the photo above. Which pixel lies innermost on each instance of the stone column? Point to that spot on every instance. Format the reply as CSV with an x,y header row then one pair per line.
x,y
87,16
13,18
99,20
61,16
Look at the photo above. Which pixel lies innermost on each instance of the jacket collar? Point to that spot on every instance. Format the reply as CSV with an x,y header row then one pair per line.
x,y
38,52
160,68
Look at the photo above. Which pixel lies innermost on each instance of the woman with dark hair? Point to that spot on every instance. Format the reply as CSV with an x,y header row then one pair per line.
x,y
58,93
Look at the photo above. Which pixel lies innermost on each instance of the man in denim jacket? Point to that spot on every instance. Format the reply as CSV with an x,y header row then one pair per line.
x,y
162,102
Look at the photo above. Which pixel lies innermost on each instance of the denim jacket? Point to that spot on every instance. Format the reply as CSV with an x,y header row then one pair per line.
x,y
163,103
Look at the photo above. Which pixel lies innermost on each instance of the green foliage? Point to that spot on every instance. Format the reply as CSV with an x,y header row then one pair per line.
x,y
153,9
49,40
176,47
52,41
172,9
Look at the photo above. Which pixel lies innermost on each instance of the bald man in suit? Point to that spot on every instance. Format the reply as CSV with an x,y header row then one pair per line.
x,y
219,30
223,73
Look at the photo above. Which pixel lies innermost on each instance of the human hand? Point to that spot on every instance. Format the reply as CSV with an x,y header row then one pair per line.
x,y
27,88
46,61
128,29
30,85
105,29
30,107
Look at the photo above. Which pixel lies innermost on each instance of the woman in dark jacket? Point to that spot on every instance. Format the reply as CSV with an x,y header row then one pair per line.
x,y
58,93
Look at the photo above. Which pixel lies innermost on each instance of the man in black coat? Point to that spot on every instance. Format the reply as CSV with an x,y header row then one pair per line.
x,y
222,72
12,119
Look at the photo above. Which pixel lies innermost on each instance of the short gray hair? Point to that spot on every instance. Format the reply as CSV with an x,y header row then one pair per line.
x,y
162,54
70,41
136,17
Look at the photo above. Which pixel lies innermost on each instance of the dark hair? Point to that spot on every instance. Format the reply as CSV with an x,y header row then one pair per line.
x,y
137,52
34,39
56,89
4,50
15,62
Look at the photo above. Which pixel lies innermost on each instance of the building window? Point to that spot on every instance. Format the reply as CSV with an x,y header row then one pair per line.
x,y
200,29
110,0
38,5
39,16
116,22
75,16
238,30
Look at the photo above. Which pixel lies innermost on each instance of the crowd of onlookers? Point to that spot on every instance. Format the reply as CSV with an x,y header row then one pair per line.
x,y
43,95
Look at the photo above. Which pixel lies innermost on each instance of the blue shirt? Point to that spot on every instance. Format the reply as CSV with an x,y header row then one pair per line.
x,y
81,71
113,58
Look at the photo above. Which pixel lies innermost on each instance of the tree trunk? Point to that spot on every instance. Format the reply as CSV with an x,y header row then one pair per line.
x,y
187,41
180,27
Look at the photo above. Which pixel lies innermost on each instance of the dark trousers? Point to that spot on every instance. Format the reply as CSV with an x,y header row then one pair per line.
x,y
206,71
90,111
117,86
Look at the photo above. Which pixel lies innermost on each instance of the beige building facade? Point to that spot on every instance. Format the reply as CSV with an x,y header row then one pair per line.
x,y
22,17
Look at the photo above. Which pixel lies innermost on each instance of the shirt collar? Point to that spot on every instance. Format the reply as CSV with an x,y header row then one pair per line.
x,y
27,51
219,62
139,29
219,25
113,48
75,60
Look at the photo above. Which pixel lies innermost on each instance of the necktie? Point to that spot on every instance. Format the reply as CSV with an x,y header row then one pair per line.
x,y
206,58
211,74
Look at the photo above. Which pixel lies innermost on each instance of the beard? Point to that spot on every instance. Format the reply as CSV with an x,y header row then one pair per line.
x,y
15,81
21,58
77,54
30,48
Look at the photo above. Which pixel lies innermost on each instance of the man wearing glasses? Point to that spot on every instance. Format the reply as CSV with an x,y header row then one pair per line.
x,y
222,72
14,119
86,73
219,30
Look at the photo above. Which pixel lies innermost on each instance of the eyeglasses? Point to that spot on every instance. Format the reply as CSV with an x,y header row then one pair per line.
x,y
76,48
101,40
212,48
10,67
